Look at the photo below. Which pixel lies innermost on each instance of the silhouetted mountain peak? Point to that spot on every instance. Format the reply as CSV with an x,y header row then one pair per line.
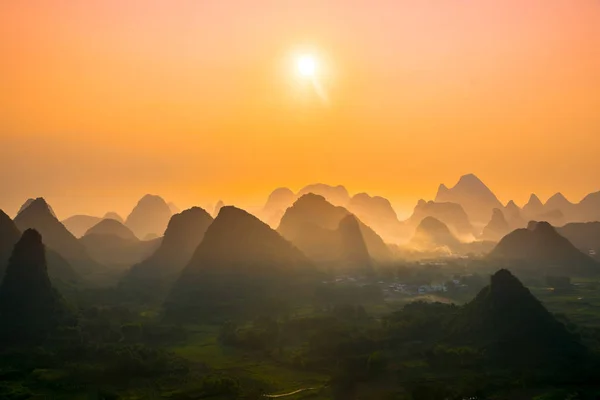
x,y
337,195
471,180
174,209
511,205
218,207
39,201
497,227
513,326
312,208
504,282
115,216
56,236
534,200
473,195
541,227
451,214
181,223
280,197
558,197
31,240
431,224
112,227
433,235
238,237
39,205
150,216
541,243
154,275
558,202
27,299
442,190
8,230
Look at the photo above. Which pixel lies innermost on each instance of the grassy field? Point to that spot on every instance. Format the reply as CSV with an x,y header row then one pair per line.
x,y
202,347
581,304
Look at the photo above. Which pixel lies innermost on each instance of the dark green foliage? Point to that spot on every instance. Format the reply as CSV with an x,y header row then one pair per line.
x,y
514,327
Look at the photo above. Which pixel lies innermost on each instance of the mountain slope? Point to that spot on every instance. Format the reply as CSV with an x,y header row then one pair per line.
x,y
542,248
279,200
30,308
9,236
115,216
513,327
584,235
150,216
451,214
312,224
497,228
39,217
433,235
59,270
156,274
336,195
376,212
473,195
111,227
533,208
241,266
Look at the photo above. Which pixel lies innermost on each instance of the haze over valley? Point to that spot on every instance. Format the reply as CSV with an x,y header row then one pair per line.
x,y
366,200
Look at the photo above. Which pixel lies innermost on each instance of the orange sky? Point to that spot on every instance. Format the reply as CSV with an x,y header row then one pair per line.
x,y
102,101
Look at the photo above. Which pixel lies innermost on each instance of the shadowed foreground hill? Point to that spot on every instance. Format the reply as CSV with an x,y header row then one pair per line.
x,y
59,269
153,277
241,266
514,328
540,248
30,308
38,216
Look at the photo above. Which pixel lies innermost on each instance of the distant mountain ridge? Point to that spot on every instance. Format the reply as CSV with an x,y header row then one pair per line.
x,y
38,216
321,230
432,235
473,195
451,214
150,216
543,248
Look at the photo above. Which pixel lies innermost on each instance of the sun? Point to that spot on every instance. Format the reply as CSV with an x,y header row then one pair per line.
x,y
306,65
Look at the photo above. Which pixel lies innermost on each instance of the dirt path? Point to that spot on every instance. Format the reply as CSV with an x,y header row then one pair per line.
x,y
273,396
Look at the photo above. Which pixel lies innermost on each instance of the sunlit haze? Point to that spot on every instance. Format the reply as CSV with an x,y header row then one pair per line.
x,y
102,101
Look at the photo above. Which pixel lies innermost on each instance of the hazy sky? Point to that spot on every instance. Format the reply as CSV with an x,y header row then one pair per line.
x,y
102,101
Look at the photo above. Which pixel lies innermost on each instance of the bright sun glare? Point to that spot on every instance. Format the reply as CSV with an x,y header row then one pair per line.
x,y
306,65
